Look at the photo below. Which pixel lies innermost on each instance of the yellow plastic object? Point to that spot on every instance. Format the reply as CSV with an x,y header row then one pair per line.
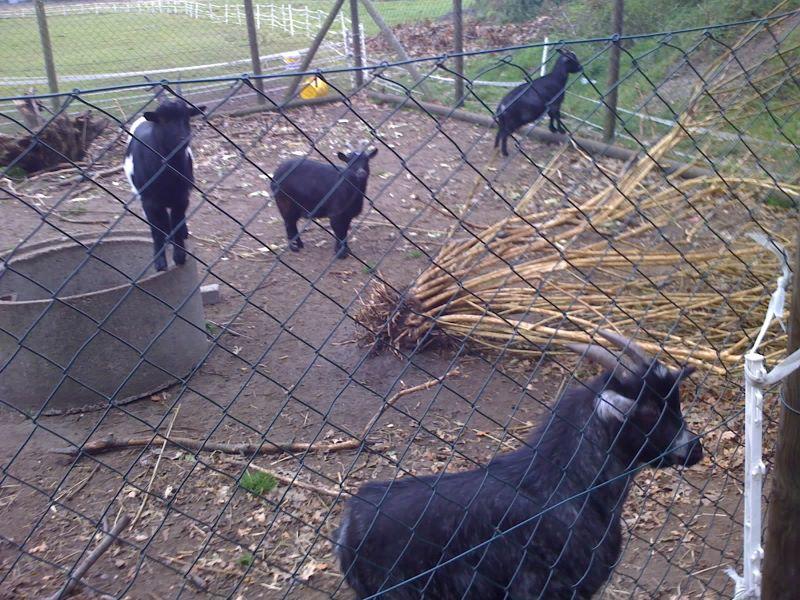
x,y
314,87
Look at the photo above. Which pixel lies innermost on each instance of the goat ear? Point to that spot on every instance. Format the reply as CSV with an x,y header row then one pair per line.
x,y
686,371
151,116
343,157
372,153
197,110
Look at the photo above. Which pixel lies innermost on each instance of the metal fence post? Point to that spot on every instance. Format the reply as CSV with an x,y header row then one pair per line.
x,y
781,573
255,57
355,26
458,35
47,51
613,74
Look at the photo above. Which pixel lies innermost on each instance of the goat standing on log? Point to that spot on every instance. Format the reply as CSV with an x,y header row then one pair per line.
x,y
540,522
158,165
527,102
311,189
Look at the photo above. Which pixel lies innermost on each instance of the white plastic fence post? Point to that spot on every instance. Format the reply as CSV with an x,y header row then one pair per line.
x,y
545,48
258,16
272,22
308,23
754,470
226,12
291,21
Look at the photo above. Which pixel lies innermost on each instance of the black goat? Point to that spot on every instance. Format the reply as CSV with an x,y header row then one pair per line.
x,y
158,165
527,102
311,189
540,522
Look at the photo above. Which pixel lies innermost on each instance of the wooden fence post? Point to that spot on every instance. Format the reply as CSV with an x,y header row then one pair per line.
x,y
781,576
398,47
458,35
47,51
255,57
358,58
323,31
613,74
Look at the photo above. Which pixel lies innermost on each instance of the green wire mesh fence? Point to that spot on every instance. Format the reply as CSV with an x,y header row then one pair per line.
x,y
217,416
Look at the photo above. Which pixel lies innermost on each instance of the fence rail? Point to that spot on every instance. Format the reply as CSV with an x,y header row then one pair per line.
x,y
291,18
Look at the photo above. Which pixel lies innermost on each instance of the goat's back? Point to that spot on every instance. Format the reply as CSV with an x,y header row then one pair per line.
x,y
316,187
392,532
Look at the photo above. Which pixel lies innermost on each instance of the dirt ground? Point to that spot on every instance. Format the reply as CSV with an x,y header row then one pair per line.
x,y
289,369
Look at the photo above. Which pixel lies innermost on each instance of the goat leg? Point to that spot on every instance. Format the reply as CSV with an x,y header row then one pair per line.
x,y
179,233
159,224
340,226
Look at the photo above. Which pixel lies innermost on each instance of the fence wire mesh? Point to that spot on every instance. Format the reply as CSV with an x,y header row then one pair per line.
x,y
440,343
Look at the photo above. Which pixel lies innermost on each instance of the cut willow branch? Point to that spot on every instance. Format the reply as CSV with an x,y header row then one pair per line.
x,y
111,442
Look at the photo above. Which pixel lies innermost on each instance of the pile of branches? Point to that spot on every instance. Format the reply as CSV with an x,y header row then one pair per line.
x,y
430,38
665,259
47,144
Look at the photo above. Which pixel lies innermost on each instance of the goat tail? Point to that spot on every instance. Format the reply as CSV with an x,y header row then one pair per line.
x,y
498,136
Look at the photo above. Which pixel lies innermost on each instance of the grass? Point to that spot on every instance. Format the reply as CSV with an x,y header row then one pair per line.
x,y
778,199
112,43
246,559
258,482
119,42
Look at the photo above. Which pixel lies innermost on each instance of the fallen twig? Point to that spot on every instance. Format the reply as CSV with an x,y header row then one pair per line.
x,y
91,558
155,468
112,443
404,392
70,494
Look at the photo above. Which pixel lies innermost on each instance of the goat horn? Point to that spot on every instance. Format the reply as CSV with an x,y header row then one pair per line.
x,y
627,345
602,356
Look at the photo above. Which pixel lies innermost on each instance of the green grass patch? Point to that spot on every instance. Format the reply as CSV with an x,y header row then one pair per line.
x,y
779,199
15,173
258,482
246,559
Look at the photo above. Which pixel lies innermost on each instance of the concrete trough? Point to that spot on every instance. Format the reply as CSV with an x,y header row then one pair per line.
x,y
77,333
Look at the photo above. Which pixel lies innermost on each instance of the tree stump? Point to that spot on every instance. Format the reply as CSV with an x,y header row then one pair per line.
x,y
65,139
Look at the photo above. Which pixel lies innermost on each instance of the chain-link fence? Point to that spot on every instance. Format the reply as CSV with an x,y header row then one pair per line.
x,y
199,431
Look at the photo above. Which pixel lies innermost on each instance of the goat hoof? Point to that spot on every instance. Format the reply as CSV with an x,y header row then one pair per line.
x,y
295,245
343,252
179,258
161,265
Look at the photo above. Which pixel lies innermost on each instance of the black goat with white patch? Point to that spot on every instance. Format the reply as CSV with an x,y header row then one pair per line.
x,y
158,165
540,522
527,102
307,188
